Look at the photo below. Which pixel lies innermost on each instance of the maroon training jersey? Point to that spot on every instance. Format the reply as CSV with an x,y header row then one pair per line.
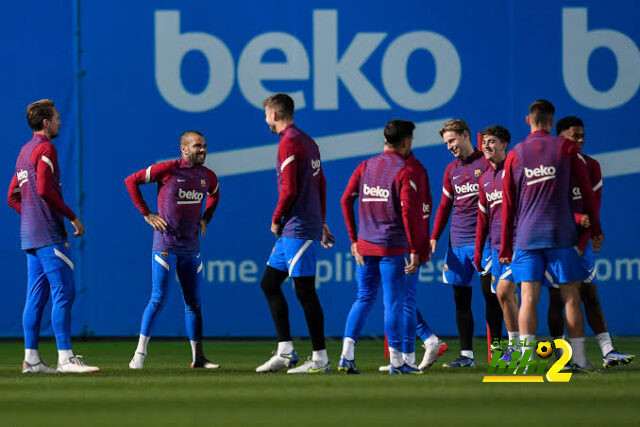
x,y
490,209
36,194
301,186
182,189
424,205
537,194
577,205
460,191
387,213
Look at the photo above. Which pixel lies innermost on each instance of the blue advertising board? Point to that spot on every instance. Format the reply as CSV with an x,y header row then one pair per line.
x,y
143,72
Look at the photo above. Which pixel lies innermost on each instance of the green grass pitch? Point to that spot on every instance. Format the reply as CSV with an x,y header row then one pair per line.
x,y
167,392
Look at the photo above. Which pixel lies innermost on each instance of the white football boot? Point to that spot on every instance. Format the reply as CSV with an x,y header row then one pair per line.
x,y
75,365
137,362
278,362
204,363
311,367
38,368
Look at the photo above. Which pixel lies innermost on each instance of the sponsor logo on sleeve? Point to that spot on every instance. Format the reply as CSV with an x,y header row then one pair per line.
x,y
577,195
23,176
315,165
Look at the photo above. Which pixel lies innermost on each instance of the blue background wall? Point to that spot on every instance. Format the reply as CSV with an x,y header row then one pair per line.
x,y
147,71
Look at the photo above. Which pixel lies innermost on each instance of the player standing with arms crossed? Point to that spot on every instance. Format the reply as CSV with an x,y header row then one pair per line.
x,y
536,209
388,230
298,224
183,185
36,195
460,193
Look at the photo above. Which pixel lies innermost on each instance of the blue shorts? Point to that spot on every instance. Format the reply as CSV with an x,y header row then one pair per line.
x,y
588,264
295,256
562,264
498,270
458,265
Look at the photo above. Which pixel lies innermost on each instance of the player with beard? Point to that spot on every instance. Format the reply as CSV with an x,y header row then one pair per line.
x,y
183,186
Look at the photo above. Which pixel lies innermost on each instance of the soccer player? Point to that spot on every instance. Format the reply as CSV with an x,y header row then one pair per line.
x,y
183,185
573,128
35,193
460,192
434,348
298,224
536,208
495,140
388,230
432,345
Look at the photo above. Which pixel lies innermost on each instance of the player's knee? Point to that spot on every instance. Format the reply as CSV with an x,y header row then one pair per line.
x,y
589,295
462,295
272,280
192,308
305,292
504,296
157,302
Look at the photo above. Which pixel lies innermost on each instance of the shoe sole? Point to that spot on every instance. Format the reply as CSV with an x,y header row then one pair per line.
x,y
624,361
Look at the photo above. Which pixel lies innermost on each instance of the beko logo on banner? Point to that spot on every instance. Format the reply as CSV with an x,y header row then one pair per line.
x,y
329,68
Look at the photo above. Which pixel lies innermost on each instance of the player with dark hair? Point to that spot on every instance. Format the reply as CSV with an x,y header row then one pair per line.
x,y
35,193
495,140
298,224
388,230
537,209
573,128
460,192
183,186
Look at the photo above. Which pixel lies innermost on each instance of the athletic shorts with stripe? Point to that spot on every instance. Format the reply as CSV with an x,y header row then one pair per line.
x,y
295,256
458,265
501,271
562,264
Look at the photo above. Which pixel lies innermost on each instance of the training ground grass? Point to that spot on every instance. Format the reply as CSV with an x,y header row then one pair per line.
x,y
167,392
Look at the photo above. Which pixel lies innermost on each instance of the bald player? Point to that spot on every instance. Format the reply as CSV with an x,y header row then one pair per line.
x,y
184,186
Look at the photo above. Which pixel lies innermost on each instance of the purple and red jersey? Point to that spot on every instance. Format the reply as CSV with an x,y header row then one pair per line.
x,y
460,190
489,210
182,189
388,219
577,204
424,204
36,195
301,186
537,194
